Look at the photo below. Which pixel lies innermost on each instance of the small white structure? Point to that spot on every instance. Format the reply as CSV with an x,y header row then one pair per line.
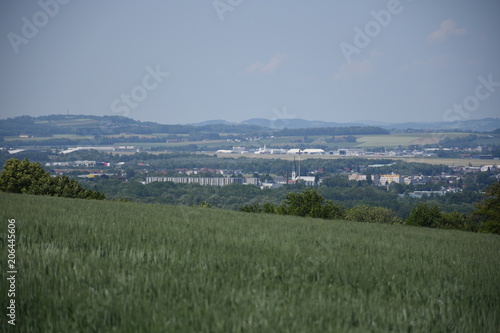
x,y
15,151
314,151
294,151
263,151
278,151
486,168
103,149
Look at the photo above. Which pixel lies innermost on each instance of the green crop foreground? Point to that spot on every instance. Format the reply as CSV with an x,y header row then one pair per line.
x,y
101,266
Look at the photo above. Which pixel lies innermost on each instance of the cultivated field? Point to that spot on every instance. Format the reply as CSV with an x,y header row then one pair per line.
x,y
397,139
100,266
428,160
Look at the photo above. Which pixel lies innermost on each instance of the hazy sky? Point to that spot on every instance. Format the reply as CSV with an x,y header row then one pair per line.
x,y
182,61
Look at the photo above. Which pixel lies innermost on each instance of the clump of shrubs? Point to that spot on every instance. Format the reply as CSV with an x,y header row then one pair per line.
x,y
486,218
365,213
30,178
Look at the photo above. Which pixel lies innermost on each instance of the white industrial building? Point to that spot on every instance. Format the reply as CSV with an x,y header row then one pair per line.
x,y
215,181
294,151
314,151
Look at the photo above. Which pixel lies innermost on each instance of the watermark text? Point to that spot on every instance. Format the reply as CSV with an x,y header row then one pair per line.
x,y
30,28
12,271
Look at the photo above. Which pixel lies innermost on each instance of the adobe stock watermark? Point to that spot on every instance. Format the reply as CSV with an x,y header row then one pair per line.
x,y
30,28
223,6
471,103
373,28
281,119
139,93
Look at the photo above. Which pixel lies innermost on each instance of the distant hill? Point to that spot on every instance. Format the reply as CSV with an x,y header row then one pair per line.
x,y
295,123
112,125
107,125
479,125
213,122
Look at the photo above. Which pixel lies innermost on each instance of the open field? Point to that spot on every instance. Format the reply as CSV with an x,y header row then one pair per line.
x,y
429,160
74,122
55,136
363,141
394,140
100,266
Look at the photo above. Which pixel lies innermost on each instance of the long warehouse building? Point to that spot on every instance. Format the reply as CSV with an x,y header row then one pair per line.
x,y
215,181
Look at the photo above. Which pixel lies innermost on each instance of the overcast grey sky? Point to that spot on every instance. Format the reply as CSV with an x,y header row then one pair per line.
x,y
179,61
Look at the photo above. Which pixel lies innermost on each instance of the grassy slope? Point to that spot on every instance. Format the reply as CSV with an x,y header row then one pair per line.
x,y
99,266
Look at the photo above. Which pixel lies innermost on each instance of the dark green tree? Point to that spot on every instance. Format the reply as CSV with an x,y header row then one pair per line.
x,y
251,209
365,213
369,180
309,203
458,221
62,186
30,178
269,208
23,177
488,210
424,215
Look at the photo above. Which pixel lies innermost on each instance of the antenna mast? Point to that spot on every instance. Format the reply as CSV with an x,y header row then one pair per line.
x,y
299,166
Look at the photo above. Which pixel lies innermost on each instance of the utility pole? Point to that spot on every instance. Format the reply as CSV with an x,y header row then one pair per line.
x,y
299,166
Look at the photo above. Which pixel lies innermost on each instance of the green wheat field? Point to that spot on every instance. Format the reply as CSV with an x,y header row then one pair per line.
x,y
102,266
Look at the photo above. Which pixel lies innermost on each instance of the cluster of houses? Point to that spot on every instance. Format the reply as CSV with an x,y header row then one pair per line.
x,y
384,180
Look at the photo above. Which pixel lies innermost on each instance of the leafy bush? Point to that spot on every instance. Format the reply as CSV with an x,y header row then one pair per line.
x,y
309,203
204,204
488,210
30,178
424,215
457,221
365,213
269,208
251,209
23,177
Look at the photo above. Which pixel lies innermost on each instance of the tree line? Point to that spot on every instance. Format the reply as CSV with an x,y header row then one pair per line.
x,y
309,203
332,131
109,125
31,178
